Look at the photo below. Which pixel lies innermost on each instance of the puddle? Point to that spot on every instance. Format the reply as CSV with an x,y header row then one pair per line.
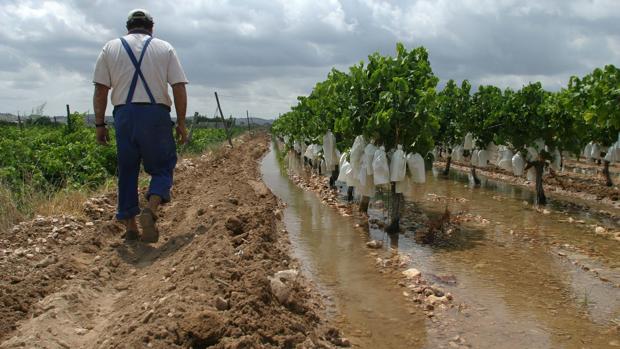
x,y
519,291
333,254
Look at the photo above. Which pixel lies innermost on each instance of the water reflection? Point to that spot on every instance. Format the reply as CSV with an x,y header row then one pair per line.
x,y
518,292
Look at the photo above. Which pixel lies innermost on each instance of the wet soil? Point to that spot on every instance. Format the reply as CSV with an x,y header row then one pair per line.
x,y
520,275
581,181
209,282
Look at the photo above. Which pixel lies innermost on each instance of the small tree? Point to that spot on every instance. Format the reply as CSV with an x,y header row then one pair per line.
x,y
452,105
597,95
524,121
482,119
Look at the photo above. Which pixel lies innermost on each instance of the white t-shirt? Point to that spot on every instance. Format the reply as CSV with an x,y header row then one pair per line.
x,y
160,67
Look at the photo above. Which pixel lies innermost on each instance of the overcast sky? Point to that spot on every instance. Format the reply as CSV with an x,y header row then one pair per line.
x,y
260,55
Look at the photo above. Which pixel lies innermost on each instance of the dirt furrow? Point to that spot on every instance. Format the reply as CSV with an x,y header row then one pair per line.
x,y
211,281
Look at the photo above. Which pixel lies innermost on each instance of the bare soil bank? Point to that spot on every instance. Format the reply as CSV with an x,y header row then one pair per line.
x,y
585,187
209,282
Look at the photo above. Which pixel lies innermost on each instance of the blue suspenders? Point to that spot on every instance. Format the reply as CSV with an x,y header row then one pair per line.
x,y
138,72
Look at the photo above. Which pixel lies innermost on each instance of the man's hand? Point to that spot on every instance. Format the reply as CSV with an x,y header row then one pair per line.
x,y
181,134
102,135
100,102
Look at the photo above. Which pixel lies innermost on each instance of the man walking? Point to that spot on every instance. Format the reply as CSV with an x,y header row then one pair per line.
x,y
138,68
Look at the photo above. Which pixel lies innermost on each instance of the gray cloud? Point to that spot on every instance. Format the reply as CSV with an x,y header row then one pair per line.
x,y
260,55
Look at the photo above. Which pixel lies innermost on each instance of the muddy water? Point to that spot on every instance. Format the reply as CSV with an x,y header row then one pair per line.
x,y
520,270
521,278
332,253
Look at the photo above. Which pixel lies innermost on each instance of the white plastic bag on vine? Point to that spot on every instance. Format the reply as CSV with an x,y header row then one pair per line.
x,y
556,161
612,153
596,152
316,152
531,174
369,154
380,168
350,177
518,164
468,144
474,158
357,152
417,168
435,154
344,165
308,153
505,162
534,150
459,153
329,150
587,151
323,166
402,187
398,165
483,158
366,188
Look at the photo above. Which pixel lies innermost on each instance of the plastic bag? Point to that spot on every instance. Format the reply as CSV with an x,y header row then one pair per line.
x,y
534,150
518,164
313,151
474,158
415,162
357,152
344,166
367,188
612,154
531,174
596,152
587,152
369,154
483,158
329,150
308,153
459,153
398,165
351,180
403,186
492,147
434,153
380,168
556,162
468,144
505,161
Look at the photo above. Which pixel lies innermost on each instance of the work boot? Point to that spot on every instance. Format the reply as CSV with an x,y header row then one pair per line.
x,y
150,234
131,236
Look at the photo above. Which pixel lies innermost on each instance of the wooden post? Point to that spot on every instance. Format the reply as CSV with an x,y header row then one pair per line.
x,y
69,118
223,120
19,121
247,114
191,130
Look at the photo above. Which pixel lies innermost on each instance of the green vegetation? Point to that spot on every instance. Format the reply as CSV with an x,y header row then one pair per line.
x,y
41,159
392,100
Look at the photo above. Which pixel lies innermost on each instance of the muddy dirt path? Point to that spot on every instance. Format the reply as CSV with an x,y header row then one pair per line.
x,y
72,283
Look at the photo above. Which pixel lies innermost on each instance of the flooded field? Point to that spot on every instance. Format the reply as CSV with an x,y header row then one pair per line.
x,y
525,277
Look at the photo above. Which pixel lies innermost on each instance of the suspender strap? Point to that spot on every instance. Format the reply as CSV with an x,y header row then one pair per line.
x,y
138,72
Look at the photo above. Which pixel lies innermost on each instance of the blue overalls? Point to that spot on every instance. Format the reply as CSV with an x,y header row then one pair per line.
x,y
143,133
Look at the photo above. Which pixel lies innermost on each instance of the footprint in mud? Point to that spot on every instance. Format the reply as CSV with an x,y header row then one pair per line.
x,y
143,255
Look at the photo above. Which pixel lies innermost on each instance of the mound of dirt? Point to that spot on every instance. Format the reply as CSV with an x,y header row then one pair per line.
x,y
73,283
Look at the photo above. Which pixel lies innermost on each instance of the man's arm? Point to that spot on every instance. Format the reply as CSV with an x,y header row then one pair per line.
x,y
100,103
180,104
